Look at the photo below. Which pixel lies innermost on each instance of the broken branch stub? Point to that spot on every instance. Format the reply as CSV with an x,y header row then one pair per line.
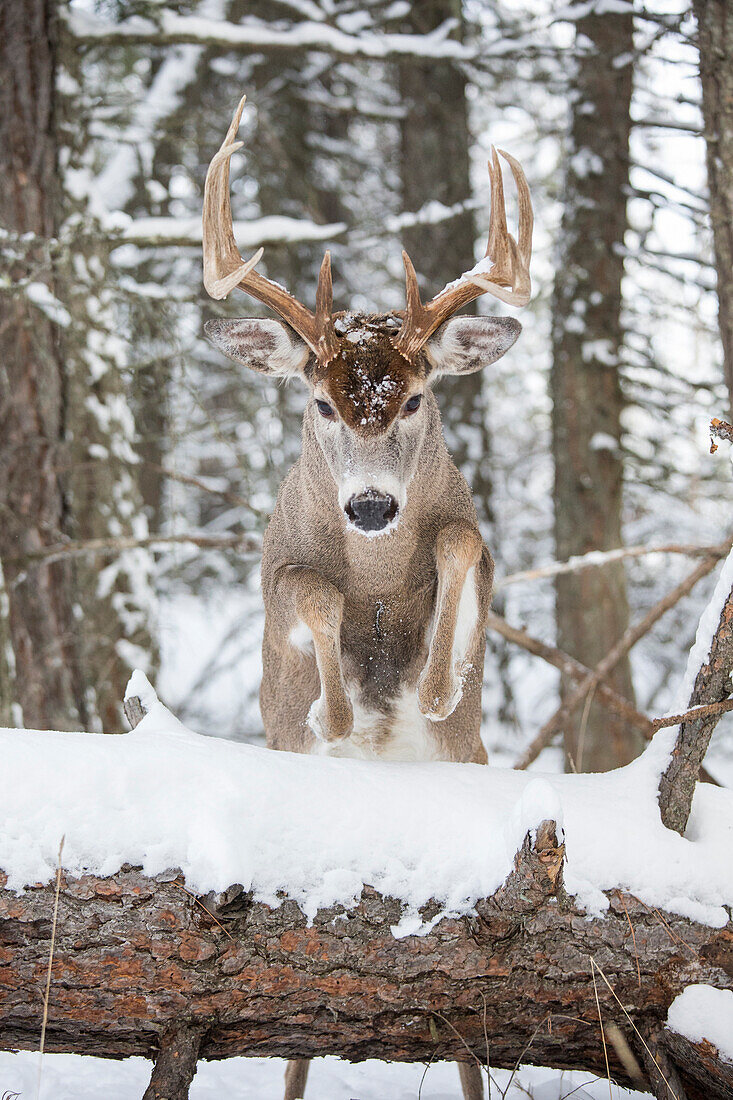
x,y
134,710
537,873
712,685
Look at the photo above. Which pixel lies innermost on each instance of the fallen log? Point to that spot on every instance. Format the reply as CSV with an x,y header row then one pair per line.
x,y
147,964
136,957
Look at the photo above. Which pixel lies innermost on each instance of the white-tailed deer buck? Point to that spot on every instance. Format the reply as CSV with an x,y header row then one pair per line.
x,y
375,577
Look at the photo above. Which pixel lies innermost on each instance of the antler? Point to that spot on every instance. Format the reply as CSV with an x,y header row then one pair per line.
x,y
224,267
507,278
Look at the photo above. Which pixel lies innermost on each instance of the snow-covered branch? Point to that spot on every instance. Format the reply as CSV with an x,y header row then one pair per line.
x,y
707,680
171,28
186,232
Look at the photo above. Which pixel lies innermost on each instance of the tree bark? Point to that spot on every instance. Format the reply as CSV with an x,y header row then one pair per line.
x,y
715,41
592,606
65,430
43,680
136,956
712,685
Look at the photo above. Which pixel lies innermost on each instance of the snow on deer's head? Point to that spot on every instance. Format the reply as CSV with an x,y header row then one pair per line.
x,y
369,375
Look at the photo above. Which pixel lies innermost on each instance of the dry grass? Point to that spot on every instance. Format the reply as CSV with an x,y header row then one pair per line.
x,y
47,994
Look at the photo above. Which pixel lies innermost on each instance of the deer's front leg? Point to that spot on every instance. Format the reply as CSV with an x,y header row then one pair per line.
x,y
308,600
465,574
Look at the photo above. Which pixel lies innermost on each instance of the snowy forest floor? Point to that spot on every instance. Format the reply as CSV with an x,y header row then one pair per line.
x,y
72,1077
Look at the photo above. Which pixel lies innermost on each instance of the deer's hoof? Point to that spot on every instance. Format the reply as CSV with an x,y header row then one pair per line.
x,y
331,723
438,696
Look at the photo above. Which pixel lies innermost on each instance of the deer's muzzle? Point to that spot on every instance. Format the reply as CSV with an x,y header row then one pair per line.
x,y
371,510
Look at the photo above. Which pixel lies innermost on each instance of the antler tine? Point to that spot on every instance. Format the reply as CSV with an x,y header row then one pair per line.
x,y
224,267
508,279
526,214
497,247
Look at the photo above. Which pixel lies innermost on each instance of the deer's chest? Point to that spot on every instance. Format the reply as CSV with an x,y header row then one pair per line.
x,y
384,648
400,733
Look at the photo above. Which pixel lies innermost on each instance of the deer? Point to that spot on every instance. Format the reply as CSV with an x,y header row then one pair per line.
x,y
375,577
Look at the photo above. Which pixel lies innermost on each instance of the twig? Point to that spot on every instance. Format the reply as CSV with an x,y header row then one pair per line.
x,y
47,995
428,1064
207,911
486,1042
244,543
641,1037
527,1045
572,668
188,479
629,639
674,937
633,937
595,558
705,710
600,1021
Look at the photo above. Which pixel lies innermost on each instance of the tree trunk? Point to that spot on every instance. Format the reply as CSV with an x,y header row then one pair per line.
x,y
592,606
43,678
715,41
138,959
65,431
715,44
435,145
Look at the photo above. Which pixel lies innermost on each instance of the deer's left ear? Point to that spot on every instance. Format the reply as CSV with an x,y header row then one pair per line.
x,y
466,344
269,347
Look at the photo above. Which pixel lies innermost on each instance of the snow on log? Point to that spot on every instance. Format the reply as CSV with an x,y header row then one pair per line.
x,y
219,899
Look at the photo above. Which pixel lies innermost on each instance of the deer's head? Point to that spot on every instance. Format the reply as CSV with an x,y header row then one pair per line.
x,y
370,377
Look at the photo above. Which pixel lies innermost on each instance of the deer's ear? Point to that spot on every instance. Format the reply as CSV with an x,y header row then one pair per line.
x,y
262,345
466,344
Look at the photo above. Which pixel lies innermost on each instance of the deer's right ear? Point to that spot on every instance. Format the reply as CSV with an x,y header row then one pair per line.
x,y
269,347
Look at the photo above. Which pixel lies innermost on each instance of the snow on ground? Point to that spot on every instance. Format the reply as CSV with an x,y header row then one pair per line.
x,y
71,1077
318,828
703,1012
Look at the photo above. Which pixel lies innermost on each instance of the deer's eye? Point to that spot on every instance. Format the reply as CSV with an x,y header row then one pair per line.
x,y
325,409
412,405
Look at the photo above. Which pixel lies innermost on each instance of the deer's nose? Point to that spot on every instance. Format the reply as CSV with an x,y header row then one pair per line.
x,y
371,510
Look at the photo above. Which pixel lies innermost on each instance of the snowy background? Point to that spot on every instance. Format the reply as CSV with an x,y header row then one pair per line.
x,y
186,444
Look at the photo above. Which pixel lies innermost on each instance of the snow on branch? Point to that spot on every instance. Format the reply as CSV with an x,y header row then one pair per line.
x,y
186,232
219,899
707,680
171,28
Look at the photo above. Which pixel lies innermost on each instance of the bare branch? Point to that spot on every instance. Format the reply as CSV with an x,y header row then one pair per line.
x,y
602,557
186,232
570,667
622,647
244,543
